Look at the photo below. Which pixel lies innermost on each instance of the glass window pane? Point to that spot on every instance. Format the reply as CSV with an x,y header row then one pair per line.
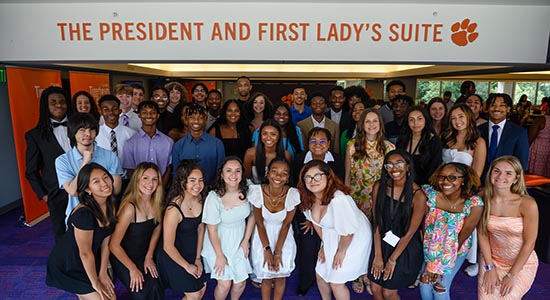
x,y
427,89
451,86
524,88
544,91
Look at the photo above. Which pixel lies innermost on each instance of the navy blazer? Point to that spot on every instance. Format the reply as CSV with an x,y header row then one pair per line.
x,y
513,141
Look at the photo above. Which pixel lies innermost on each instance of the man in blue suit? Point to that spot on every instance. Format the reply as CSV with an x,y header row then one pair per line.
x,y
502,136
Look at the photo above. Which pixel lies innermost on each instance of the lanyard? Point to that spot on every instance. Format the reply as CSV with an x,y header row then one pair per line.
x,y
394,210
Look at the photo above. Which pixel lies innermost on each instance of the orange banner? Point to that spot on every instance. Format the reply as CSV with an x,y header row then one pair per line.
x,y
210,85
97,84
24,89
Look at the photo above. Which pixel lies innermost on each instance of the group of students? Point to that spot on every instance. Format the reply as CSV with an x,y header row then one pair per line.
x,y
251,221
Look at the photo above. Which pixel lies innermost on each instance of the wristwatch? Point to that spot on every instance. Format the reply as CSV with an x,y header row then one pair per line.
x,y
489,267
267,248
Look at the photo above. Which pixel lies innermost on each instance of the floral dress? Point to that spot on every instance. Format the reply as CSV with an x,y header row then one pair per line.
x,y
441,233
364,173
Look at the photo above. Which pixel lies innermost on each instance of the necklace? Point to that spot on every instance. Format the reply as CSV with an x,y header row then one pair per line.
x,y
274,200
453,206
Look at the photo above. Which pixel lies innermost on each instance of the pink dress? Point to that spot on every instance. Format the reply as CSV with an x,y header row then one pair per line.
x,y
506,237
539,152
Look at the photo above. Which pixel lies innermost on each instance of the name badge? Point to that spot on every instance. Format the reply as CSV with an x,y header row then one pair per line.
x,y
391,238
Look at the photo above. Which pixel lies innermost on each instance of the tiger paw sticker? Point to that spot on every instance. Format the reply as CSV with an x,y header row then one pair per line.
x,y
464,33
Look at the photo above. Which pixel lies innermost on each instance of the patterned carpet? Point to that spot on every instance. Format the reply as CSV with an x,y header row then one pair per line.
x,y
24,252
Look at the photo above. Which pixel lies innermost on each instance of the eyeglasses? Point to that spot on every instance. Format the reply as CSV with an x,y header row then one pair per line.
x,y
158,97
199,91
317,177
319,141
450,178
399,165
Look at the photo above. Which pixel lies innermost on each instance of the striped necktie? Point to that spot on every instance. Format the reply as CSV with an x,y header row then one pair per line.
x,y
125,120
114,144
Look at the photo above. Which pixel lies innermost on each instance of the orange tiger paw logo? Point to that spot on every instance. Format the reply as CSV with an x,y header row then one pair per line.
x,y
464,32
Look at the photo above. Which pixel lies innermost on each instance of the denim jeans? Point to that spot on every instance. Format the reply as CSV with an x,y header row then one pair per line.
x,y
426,290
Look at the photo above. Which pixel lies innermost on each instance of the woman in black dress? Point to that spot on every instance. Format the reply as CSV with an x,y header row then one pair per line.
x,y
75,260
399,208
179,252
137,232
420,140
232,130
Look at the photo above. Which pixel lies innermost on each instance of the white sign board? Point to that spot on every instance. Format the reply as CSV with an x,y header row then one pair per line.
x,y
274,32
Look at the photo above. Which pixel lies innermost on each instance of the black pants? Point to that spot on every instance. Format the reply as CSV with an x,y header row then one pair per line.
x,y
57,204
306,258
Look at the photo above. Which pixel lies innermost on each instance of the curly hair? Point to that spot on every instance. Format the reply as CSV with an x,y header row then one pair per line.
x,y
180,179
471,179
219,184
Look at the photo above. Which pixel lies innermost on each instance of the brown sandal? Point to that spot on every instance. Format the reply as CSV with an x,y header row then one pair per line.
x,y
357,285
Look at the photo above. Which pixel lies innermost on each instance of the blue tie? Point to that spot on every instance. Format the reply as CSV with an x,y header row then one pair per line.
x,y
493,144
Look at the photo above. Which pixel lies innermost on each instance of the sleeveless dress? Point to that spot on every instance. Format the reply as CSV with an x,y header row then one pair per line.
x,y
273,223
539,152
231,226
172,275
344,218
506,238
136,243
232,146
410,261
441,233
453,155
364,173
64,269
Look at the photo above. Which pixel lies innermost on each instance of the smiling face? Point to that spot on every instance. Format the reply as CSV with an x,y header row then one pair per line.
x,y
281,115
319,145
125,101
232,174
213,102
448,186
233,113
110,112
416,121
394,90
503,176
269,136
195,183
148,116
397,167
437,111
278,174
199,94
299,95
357,111
83,104
459,120
259,104
196,123
148,182
498,110
371,124
100,186
160,97
175,97
337,100
474,103
316,181
57,106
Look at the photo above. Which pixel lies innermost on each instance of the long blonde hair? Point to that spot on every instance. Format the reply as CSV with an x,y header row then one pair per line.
x,y
517,188
132,193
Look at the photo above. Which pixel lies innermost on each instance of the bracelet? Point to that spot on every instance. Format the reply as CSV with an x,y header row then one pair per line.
x,y
391,262
489,267
198,258
512,277
276,253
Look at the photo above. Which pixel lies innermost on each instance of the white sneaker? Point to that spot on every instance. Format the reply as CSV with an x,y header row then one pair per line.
x,y
472,270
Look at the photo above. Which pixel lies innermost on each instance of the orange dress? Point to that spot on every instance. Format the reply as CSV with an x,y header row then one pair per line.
x,y
506,238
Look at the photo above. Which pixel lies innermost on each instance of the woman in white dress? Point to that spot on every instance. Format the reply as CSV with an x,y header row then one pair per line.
x,y
462,143
345,231
273,247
